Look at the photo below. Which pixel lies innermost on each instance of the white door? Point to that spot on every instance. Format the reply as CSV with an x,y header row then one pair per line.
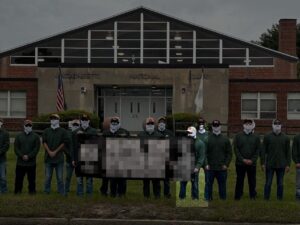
x,y
112,106
158,107
134,112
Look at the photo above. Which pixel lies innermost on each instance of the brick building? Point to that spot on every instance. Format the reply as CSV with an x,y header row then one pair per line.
x,y
144,63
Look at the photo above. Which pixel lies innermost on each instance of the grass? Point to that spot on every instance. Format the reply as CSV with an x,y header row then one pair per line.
x,y
135,206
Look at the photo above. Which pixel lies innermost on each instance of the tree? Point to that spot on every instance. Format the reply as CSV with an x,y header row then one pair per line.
x,y
270,38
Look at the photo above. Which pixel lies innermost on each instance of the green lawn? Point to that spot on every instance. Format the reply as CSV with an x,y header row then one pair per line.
x,y
135,206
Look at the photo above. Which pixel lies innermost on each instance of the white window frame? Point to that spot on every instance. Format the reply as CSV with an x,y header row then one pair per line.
x,y
292,115
8,113
258,99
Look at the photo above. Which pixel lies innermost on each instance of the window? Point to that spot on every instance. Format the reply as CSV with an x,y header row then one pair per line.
x,y
258,105
293,101
13,104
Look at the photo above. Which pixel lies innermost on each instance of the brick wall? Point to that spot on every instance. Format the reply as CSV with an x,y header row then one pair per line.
x,y
280,87
16,71
21,84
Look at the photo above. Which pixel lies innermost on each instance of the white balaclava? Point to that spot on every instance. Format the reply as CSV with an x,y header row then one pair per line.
x,y
114,127
276,127
85,124
192,132
150,126
27,129
161,126
201,129
54,123
248,128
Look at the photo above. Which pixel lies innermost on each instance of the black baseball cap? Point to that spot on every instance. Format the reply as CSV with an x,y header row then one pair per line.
x,y
276,122
216,123
201,121
247,121
85,117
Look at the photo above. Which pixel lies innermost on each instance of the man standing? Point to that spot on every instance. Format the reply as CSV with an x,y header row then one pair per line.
x,y
203,135
149,131
4,146
199,160
162,129
55,139
275,158
88,131
219,154
73,126
117,185
246,149
27,145
296,158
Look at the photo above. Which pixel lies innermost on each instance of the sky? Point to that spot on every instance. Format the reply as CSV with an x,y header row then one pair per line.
x,y
26,21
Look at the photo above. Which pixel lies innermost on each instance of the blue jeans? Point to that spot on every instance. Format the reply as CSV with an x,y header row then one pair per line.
x,y
221,176
298,184
59,170
194,187
269,178
89,186
206,185
3,182
69,172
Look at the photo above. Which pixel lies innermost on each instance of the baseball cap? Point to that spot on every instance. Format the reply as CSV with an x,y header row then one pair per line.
x,y
215,123
276,122
150,120
85,117
115,120
54,116
27,122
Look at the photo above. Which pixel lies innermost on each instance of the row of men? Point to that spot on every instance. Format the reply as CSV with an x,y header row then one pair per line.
x,y
213,154
60,143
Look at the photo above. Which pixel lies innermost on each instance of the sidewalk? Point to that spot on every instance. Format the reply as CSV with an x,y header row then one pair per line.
x,y
87,221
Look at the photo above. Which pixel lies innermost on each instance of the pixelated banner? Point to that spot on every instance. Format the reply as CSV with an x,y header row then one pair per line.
x,y
136,158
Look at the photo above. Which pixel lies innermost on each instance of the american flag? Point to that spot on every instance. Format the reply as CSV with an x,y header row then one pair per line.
x,y
60,97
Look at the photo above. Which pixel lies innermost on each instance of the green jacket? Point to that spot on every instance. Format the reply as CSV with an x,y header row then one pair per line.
x,y
246,146
199,153
146,134
204,137
27,144
219,151
90,131
54,138
68,149
166,133
296,149
120,133
276,151
4,144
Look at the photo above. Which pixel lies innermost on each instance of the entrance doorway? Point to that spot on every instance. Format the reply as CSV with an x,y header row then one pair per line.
x,y
133,105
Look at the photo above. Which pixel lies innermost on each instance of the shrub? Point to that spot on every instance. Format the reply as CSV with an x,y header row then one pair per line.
x,y
41,122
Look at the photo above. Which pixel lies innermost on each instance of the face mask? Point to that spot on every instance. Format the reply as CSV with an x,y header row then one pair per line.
x,y
27,130
150,128
161,126
1,124
248,128
216,130
54,124
192,134
114,127
202,129
85,124
276,129
74,127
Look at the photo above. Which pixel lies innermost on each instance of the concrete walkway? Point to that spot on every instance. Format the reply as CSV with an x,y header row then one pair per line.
x,y
87,221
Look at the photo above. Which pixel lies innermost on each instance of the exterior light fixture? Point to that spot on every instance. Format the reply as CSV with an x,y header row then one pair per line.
x,y
177,37
115,86
109,36
178,53
179,60
125,60
83,90
177,46
121,53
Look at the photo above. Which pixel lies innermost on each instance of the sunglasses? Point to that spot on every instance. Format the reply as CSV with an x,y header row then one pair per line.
x,y
28,125
150,123
277,123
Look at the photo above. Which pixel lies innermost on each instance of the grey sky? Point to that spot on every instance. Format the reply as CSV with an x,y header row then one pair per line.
x,y
24,21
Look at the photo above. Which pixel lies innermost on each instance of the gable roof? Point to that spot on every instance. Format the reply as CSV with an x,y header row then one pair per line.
x,y
143,9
